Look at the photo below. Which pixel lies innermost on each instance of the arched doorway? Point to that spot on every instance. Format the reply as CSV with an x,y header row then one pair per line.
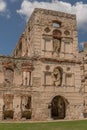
x,y
58,108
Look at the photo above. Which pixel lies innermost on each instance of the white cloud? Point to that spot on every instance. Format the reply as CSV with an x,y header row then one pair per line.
x,y
4,11
79,9
81,45
3,6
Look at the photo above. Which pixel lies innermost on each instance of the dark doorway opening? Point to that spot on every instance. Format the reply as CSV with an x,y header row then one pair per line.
x,y
58,108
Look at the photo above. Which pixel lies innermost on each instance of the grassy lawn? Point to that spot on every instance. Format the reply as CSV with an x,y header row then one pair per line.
x,y
67,125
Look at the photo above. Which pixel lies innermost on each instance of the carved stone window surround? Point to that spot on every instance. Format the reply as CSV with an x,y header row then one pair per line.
x,y
57,76
48,43
27,69
69,79
47,73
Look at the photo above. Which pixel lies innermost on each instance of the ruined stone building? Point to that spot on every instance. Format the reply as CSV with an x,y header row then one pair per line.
x,y
46,77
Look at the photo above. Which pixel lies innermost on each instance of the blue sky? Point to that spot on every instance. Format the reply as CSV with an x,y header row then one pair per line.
x,y
15,13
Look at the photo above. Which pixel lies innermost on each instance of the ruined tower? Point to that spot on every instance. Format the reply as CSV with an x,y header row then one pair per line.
x,y
43,78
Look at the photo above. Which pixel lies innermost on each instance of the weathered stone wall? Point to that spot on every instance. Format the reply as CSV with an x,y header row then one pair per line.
x,y
45,66
40,29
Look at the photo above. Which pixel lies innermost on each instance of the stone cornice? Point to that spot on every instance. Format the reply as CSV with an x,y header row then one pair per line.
x,y
60,60
55,13
27,66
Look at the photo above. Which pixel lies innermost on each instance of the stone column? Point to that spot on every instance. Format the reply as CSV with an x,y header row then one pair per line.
x,y
67,112
49,112
62,48
1,108
64,80
16,107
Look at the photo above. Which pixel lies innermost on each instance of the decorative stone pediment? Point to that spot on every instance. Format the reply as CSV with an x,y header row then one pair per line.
x,y
27,66
8,65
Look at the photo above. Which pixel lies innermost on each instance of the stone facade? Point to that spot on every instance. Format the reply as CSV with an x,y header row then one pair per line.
x,y
46,78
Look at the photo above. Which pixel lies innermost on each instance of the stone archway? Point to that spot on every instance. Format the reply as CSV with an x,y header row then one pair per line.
x,y
58,108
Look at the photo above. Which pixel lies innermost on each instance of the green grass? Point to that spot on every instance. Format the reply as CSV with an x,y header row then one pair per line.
x,y
67,125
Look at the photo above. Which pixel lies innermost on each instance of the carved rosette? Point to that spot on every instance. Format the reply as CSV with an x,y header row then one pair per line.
x,y
47,29
66,32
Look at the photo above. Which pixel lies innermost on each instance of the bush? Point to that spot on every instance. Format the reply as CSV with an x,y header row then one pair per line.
x,y
26,114
8,114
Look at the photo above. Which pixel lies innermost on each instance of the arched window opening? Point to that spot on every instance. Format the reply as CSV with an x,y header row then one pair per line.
x,y
26,107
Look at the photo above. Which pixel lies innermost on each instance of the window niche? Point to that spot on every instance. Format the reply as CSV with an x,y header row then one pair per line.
x,y
8,106
56,41
25,102
56,45
68,46
26,78
26,106
69,80
27,69
47,78
9,74
8,68
57,76
48,44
